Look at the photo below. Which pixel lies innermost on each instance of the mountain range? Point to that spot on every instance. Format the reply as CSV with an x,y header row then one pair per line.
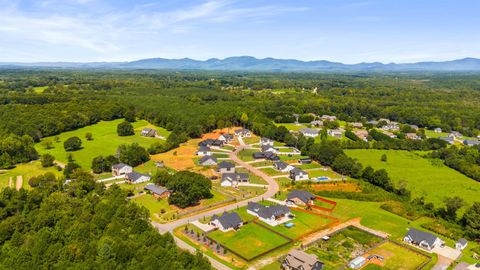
x,y
248,63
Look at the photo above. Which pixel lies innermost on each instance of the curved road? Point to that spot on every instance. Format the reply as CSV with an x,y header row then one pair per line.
x,y
272,189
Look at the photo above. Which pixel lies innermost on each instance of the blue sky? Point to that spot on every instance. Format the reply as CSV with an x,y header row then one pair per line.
x,y
348,31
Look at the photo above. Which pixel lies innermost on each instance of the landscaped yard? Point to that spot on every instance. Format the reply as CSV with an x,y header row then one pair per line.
x,y
246,154
291,126
250,241
105,141
421,174
397,257
27,170
320,173
155,207
343,246
273,172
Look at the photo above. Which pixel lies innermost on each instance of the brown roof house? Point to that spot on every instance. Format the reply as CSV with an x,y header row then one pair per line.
x,y
300,260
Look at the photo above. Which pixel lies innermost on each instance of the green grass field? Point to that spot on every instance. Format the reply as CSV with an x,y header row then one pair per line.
x,y
291,126
397,257
27,170
249,241
424,177
273,172
304,223
155,207
105,141
319,173
246,154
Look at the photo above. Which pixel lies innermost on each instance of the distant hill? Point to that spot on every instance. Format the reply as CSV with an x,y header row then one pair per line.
x,y
248,63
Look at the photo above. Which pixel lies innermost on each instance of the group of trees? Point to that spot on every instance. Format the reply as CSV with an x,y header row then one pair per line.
x,y
104,164
463,159
16,149
72,144
132,154
125,129
83,226
187,188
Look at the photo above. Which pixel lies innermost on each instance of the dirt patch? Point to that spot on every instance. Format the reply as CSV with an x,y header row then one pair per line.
x,y
19,183
343,187
180,158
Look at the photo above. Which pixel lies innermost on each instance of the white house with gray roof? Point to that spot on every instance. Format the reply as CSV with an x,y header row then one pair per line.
x,y
227,221
208,161
136,178
204,151
422,239
273,215
234,179
283,166
121,169
309,132
243,132
226,167
266,141
298,174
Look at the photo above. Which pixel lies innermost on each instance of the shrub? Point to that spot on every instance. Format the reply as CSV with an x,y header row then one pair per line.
x,y
72,144
125,129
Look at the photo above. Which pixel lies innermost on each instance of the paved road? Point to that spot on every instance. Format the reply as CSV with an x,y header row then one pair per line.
x,y
272,189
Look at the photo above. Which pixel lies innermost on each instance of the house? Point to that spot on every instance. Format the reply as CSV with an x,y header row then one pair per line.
x,y
373,123
455,134
121,169
211,143
330,118
265,155
412,136
298,174
471,142
394,126
266,142
283,166
272,215
226,138
384,120
243,133
422,239
233,179
415,127
136,178
356,125
449,140
437,130
227,221
389,134
300,260
309,132
305,161
204,151
300,197
317,123
268,148
461,244
148,132
226,167
208,161
357,263
362,134
335,132
157,191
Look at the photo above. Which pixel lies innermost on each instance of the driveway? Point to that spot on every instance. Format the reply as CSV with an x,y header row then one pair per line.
x,y
447,252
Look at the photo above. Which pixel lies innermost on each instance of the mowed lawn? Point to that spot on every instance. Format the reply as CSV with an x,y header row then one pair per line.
x,y
27,170
397,257
249,241
304,223
424,177
105,141
291,126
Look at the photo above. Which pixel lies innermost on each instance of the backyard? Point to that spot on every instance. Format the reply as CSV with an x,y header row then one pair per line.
x,y
398,257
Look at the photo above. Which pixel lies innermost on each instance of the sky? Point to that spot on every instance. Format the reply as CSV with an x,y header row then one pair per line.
x,y
347,31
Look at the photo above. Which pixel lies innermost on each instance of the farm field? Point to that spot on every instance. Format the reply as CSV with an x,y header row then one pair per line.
x,y
249,241
421,175
27,170
105,141
397,257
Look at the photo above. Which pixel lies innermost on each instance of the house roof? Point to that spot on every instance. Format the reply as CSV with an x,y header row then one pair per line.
x,y
242,131
227,136
302,195
208,142
298,259
471,142
297,171
265,140
207,158
228,220
155,189
135,175
281,164
258,155
268,211
447,139
462,241
234,177
266,147
120,166
419,236
309,131
204,149
226,165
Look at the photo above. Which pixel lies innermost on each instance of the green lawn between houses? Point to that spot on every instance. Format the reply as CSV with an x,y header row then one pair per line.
x,y
428,178
397,257
250,241
105,141
304,223
291,126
